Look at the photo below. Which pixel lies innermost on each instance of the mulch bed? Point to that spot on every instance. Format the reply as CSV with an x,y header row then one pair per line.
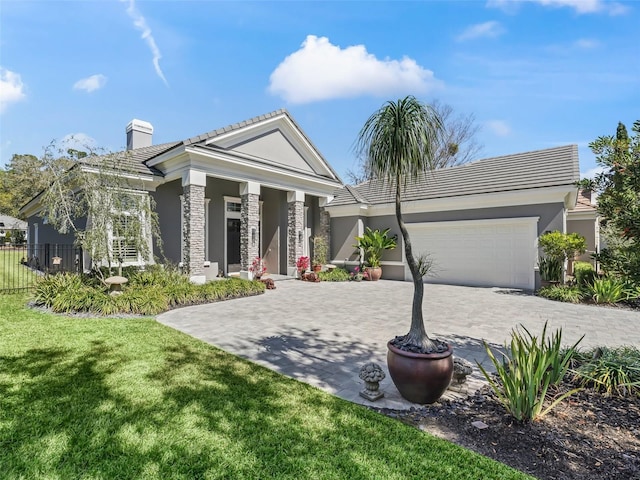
x,y
587,436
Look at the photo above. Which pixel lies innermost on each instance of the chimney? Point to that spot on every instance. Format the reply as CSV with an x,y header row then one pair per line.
x,y
139,134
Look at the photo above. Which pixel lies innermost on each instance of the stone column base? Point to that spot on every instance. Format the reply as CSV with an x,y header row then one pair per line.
x,y
198,279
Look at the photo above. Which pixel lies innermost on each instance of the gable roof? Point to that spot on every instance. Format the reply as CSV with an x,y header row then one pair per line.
x,y
584,203
207,140
8,222
538,169
134,160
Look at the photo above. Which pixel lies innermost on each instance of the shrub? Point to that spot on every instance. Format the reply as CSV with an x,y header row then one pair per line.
x,y
561,246
584,273
335,275
147,293
608,290
550,269
562,293
613,371
526,375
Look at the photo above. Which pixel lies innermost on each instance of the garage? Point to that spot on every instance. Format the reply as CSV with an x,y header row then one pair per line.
x,y
484,253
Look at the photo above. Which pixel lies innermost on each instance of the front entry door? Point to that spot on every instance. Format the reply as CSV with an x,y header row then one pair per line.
x,y
233,244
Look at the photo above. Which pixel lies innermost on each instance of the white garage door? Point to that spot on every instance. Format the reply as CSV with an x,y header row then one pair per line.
x,y
486,253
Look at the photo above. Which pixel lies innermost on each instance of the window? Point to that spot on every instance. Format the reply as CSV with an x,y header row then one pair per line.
x,y
234,206
123,246
128,229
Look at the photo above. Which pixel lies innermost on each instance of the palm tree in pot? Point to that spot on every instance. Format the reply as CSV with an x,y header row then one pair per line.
x,y
399,142
372,244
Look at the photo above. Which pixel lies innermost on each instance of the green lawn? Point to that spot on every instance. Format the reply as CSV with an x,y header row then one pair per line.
x,y
12,273
122,398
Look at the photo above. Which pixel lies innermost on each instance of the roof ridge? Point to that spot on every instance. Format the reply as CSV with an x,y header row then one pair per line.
x,y
234,126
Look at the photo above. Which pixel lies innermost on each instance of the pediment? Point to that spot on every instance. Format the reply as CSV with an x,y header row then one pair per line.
x,y
273,147
277,142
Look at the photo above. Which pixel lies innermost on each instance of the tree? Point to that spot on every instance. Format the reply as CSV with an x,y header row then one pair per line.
x,y
23,180
457,143
619,199
98,199
399,142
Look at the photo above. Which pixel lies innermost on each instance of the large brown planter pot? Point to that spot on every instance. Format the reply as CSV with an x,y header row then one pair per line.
x,y
374,273
419,377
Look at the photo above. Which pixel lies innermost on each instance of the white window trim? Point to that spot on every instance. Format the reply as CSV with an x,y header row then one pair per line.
x,y
146,233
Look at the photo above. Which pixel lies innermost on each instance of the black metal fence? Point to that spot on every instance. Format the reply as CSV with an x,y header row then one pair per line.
x,y
21,265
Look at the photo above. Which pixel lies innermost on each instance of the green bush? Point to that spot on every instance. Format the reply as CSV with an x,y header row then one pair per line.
x,y
608,290
584,273
550,269
613,371
335,275
525,375
561,246
562,293
147,293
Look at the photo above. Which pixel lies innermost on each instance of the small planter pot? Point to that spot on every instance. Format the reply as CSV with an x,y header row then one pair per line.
x,y
419,377
374,273
317,268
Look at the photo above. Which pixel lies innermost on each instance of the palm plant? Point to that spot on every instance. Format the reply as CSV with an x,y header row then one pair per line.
x,y
398,143
373,243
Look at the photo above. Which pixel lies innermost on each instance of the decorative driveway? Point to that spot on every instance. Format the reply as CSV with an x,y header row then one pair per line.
x,y
323,333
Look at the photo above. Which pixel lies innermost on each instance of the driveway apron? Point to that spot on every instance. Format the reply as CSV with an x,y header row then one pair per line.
x,y
322,333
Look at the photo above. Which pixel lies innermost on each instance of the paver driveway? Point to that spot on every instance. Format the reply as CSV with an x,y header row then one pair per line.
x,y
323,333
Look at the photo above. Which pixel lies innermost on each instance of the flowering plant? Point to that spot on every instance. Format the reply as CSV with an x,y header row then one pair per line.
x,y
356,275
302,264
258,268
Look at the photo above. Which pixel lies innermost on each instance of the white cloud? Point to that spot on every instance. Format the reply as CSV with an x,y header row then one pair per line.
x,y
490,29
89,84
11,88
592,172
321,71
141,24
580,6
498,127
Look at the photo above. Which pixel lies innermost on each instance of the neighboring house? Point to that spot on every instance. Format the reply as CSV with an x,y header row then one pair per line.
x,y
479,222
255,188
15,228
261,188
583,218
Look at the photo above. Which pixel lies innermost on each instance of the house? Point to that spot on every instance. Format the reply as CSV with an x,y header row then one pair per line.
x,y
12,229
583,218
261,188
255,188
479,222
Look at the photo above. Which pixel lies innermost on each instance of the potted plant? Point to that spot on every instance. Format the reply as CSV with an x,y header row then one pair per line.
x,y
398,143
258,268
372,244
320,253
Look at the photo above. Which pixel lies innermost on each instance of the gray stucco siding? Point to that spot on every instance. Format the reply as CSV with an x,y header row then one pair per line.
x,y
167,198
48,234
343,233
550,215
586,228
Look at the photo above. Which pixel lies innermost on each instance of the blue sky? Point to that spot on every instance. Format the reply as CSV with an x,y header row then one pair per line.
x,y
535,74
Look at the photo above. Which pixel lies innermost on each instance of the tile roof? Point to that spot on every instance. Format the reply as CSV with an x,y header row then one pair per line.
x,y
133,160
542,168
236,126
583,203
12,223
